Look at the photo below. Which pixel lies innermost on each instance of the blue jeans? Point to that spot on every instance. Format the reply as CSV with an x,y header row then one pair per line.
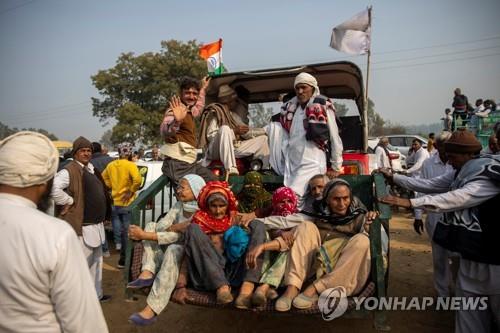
x,y
120,218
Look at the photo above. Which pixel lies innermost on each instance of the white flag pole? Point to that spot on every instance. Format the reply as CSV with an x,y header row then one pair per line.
x,y
365,111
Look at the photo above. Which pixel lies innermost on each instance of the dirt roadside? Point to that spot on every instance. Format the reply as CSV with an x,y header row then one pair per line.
x,y
410,275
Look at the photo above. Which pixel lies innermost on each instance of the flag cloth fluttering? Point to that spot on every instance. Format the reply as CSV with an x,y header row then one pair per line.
x,y
353,36
212,53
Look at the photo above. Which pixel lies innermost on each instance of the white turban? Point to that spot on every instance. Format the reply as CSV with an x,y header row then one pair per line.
x,y
309,80
27,159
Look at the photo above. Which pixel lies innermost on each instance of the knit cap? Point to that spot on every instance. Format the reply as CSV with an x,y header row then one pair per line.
x,y
80,143
462,142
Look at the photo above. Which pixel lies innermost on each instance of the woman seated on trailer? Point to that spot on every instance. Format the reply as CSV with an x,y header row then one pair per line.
x,y
160,266
284,203
333,249
253,197
215,250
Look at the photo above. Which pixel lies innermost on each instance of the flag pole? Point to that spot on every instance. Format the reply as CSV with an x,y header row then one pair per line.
x,y
220,55
365,111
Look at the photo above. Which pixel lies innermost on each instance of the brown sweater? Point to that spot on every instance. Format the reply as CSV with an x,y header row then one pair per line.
x,y
74,216
185,133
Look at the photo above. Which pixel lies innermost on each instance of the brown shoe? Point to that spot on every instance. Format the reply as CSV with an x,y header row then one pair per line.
x,y
243,302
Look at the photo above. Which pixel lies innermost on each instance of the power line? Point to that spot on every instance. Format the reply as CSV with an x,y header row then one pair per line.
x,y
439,61
354,58
437,55
48,115
73,112
438,45
58,109
16,7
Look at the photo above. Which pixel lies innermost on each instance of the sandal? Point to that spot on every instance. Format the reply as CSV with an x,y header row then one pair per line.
x,y
283,304
304,302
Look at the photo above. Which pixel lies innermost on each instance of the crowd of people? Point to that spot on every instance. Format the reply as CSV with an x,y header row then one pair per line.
x,y
305,237
463,114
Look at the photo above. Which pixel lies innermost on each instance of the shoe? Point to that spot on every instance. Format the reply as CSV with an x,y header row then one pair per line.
x,y
233,171
283,304
121,264
118,246
106,254
304,302
243,302
105,298
138,320
259,299
140,283
224,297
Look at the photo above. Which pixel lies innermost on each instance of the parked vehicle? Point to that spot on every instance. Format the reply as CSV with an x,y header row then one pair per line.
x,y
337,80
62,146
113,154
402,142
398,160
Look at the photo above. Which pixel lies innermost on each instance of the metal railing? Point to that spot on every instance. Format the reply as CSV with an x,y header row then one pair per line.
x,y
367,188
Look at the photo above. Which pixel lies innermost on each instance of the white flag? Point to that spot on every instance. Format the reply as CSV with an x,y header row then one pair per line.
x,y
353,36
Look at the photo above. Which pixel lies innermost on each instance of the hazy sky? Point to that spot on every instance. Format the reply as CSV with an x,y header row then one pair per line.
x,y
422,50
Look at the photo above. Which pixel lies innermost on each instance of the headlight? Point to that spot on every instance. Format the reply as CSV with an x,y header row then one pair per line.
x,y
256,165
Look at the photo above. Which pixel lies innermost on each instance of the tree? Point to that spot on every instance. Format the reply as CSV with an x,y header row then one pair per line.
x,y
340,109
5,131
136,90
375,121
106,138
258,115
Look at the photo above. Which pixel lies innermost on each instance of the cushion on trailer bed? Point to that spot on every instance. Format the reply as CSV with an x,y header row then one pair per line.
x,y
208,299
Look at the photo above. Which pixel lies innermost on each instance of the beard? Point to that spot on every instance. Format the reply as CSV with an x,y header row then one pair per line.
x,y
44,202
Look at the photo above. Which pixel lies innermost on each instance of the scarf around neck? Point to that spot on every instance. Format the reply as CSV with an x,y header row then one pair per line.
x,y
202,217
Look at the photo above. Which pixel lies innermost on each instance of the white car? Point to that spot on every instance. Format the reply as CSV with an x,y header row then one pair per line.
x,y
403,142
398,160
113,154
151,171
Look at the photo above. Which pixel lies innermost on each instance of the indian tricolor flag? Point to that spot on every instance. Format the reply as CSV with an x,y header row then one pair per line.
x,y
212,53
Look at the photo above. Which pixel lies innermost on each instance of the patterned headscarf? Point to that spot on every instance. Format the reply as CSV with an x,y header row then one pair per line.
x,y
202,217
323,212
125,149
253,195
284,209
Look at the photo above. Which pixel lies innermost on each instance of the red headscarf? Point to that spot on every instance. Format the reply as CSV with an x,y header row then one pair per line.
x,y
284,209
208,223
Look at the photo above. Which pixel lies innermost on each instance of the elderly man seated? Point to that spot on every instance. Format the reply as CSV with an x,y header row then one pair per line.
x,y
331,245
225,134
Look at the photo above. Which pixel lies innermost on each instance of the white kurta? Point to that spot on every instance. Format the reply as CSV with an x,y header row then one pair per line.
x,y
418,159
474,277
381,158
45,284
224,147
93,236
302,159
434,167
